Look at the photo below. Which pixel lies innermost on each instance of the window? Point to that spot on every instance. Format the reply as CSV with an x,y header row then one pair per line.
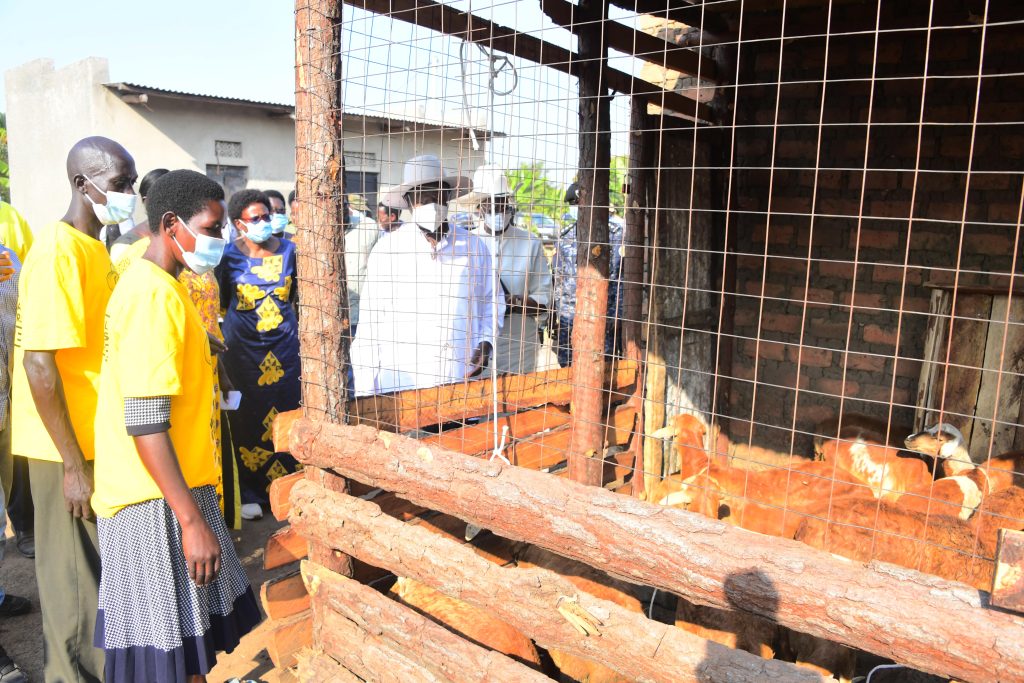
x,y
225,149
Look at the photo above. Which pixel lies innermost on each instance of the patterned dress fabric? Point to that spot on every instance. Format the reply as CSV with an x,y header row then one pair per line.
x,y
165,634
564,266
261,331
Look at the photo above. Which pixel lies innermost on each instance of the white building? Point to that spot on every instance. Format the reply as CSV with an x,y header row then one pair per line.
x,y
240,143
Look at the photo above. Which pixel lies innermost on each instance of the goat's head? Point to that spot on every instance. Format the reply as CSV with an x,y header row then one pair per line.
x,y
942,440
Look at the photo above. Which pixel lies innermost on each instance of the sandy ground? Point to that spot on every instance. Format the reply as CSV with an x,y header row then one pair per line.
x,y
22,636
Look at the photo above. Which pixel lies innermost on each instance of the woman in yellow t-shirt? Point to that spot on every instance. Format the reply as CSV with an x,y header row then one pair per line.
x,y
172,590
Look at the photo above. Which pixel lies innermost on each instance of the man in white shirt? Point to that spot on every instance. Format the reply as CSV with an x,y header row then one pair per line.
x,y
523,270
428,311
361,234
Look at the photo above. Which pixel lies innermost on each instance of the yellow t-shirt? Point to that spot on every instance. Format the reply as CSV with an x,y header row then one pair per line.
x,y
14,231
63,292
156,345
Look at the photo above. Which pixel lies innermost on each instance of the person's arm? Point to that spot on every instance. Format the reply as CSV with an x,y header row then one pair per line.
x,y
485,319
199,543
47,389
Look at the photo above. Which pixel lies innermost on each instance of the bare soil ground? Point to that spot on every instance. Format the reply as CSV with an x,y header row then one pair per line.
x,y
23,640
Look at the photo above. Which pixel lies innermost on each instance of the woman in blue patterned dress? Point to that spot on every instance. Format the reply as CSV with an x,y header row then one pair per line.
x,y
257,284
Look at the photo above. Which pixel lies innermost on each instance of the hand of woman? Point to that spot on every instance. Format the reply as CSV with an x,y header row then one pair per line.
x,y
6,266
216,345
202,552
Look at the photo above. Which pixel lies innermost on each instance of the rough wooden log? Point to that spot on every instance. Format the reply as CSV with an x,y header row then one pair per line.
x,y
288,637
418,408
1008,579
479,438
439,17
321,554
315,666
426,644
593,256
284,596
946,631
280,490
527,599
284,546
282,426
324,323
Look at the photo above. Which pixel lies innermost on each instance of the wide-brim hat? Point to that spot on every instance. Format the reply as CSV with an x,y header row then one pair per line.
x,y
358,202
488,181
423,170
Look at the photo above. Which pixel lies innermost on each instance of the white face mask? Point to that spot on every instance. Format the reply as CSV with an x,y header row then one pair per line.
x,y
429,217
496,222
119,207
206,254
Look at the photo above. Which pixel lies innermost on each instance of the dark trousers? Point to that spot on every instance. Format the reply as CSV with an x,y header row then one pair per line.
x,y
15,479
68,574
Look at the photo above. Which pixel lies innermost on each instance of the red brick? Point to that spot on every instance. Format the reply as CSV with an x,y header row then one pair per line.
x,y
874,334
821,296
990,181
784,375
860,361
888,208
841,269
742,371
865,299
811,356
878,239
916,304
883,180
781,322
942,211
769,350
838,207
831,180
785,264
834,387
826,329
771,289
908,368
795,149
912,275
877,392
745,316
995,245
1006,212
811,415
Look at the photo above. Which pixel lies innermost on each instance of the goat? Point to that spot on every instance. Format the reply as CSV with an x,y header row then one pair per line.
x,y
881,467
880,530
946,442
1001,510
852,426
596,583
689,436
472,623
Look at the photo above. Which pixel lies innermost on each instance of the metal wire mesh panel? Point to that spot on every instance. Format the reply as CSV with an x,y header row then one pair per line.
x,y
755,259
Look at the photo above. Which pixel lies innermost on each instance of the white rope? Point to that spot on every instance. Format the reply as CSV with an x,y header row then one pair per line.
x,y
650,609
882,666
499,450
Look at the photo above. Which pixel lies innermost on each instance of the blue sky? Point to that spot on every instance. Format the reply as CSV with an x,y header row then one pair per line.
x,y
245,49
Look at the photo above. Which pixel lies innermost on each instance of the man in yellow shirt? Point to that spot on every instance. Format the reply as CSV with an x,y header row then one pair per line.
x,y
66,283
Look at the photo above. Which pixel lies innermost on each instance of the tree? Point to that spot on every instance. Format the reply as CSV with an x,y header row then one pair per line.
x,y
535,193
5,175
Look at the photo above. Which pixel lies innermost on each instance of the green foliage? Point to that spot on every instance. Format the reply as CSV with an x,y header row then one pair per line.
x,y
5,171
535,193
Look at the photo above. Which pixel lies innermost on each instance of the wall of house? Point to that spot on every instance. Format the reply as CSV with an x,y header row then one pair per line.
x,y
833,263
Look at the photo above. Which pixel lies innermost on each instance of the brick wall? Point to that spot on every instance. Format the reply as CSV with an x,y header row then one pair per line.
x,y
832,289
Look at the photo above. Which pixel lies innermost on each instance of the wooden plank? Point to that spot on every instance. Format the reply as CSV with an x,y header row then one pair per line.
x,y
547,450
632,42
527,599
418,408
963,378
469,27
1008,581
289,636
284,545
280,489
389,625
284,596
1001,384
933,368
282,426
812,592
479,438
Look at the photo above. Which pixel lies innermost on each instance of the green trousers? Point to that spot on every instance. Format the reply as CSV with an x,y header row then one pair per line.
x,y
68,574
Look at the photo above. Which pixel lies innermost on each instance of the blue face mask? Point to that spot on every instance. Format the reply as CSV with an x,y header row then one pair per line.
x,y
206,255
279,222
259,232
119,207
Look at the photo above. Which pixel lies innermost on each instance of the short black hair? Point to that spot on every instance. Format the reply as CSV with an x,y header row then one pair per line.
x,y
147,181
244,198
391,211
183,193
275,194
291,196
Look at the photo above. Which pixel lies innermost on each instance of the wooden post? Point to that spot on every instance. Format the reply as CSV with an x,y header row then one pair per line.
x,y
529,600
586,453
924,621
634,243
324,324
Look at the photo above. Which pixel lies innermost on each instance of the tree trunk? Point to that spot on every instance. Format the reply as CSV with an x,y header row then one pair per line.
x,y
592,257
320,219
526,599
391,626
923,621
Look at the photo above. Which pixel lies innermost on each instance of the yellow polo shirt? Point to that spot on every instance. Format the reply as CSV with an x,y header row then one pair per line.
x,y
156,345
14,231
62,294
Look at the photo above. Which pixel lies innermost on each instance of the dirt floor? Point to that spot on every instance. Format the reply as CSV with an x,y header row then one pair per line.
x,y
22,636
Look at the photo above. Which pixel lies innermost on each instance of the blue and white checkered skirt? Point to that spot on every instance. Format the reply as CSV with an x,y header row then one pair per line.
x,y
154,623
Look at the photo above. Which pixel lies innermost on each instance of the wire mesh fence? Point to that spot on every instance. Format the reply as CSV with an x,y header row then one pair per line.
x,y
756,259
